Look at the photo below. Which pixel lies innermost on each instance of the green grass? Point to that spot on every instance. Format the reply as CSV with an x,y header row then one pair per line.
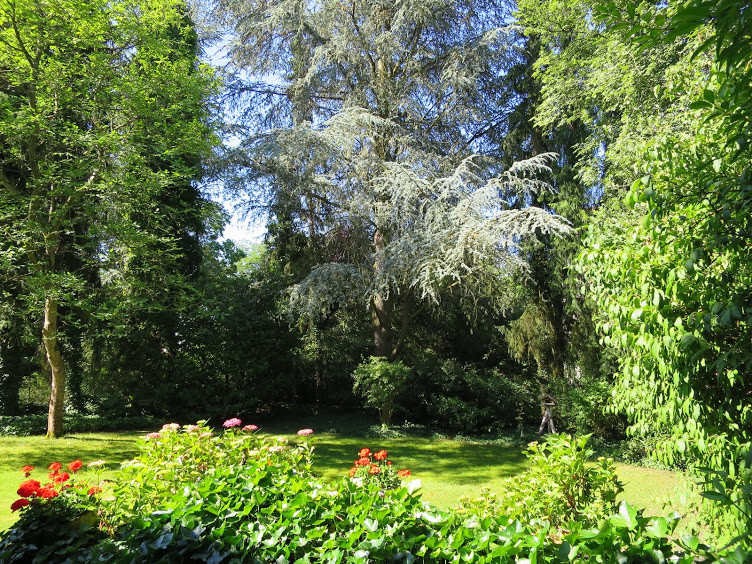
x,y
448,469
16,452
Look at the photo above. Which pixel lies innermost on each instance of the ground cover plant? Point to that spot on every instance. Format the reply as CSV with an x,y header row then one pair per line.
x,y
197,495
448,469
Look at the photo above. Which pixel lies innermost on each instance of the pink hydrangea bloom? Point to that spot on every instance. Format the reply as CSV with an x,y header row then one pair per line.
x,y
234,422
170,427
250,428
305,432
153,436
191,428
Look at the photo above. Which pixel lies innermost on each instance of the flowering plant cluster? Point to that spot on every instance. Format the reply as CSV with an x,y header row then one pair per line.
x,y
376,468
178,456
32,492
255,500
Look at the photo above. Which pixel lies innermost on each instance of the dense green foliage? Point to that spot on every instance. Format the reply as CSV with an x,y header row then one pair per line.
x,y
196,496
471,205
104,116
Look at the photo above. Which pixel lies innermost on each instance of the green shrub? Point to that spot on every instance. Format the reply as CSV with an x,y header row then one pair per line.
x,y
466,399
380,382
27,425
561,486
237,496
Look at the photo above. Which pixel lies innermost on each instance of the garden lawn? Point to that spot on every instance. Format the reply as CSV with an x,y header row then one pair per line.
x,y
448,469
16,452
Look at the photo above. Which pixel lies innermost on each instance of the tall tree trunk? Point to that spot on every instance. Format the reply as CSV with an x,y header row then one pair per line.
x,y
382,310
57,369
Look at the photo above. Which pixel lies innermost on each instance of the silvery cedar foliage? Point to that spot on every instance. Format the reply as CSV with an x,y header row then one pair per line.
x,y
372,115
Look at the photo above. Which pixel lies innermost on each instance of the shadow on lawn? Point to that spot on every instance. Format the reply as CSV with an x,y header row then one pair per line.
x,y
466,464
113,449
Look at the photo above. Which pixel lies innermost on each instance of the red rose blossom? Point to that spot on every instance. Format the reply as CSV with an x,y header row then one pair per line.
x,y
381,455
18,504
75,466
54,466
29,488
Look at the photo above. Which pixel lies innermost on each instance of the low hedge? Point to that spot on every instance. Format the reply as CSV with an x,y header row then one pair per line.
x,y
236,496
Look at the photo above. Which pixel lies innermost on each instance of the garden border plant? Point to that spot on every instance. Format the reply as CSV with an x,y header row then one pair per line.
x,y
194,495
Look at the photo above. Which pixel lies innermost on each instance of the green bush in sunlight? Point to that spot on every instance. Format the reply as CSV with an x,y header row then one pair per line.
x,y
194,495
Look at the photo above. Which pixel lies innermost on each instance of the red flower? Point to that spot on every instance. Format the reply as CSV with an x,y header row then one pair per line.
x,y
48,492
54,466
353,470
374,469
18,504
94,490
52,475
363,461
60,478
403,473
27,470
381,455
29,488
75,466
388,462
364,452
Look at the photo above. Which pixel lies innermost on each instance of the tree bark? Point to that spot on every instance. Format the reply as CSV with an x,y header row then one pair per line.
x,y
382,310
57,369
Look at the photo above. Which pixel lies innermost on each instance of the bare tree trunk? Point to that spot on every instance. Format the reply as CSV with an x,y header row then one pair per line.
x,y
382,310
57,369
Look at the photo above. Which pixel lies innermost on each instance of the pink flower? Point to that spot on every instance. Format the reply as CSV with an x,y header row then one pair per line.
x,y
170,427
250,428
305,432
153,436
191,428
204,435
234,422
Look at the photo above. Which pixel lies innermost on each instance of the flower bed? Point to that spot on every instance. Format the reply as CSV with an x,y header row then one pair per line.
x,y
194,495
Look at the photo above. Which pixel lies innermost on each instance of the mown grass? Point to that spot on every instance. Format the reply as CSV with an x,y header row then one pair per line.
x,y
39,452
448,469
